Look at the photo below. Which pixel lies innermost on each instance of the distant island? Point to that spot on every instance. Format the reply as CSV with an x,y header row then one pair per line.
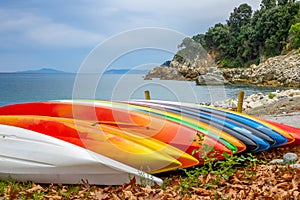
x,y
126,71
41,71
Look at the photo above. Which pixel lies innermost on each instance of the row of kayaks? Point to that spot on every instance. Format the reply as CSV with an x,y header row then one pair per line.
x,y
110,142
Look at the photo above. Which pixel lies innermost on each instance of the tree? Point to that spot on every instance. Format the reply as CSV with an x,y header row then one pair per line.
x,y
247,37
294,36
240,16
267,4
282,2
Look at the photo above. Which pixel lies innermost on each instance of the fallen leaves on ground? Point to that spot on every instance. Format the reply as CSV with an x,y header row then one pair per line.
x,y
258,182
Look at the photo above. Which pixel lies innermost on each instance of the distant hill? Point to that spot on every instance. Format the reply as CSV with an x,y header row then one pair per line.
x,y
42,71
126,71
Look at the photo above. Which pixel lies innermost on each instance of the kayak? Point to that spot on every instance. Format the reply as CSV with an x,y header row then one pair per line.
x,y
185,159
101,141
280,136
164,130
292,130
31,156
232,143
174,120
253,142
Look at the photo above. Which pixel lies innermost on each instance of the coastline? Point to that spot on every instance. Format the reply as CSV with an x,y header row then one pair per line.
x,y
279,106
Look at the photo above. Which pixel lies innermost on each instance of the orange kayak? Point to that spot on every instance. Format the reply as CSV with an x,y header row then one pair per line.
x,y
148,126
104,141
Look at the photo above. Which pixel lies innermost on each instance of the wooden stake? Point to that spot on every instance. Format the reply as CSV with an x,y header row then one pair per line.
x,y
147,95
240,101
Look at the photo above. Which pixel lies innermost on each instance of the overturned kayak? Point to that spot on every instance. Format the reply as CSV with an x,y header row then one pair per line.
x,y
104,141
290,129
278,135
252,141
130,121
204,129
29,155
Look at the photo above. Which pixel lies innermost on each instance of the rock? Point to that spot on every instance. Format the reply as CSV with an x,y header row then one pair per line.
x,y
290,157
276,71
164,73
214,78
197,66
260,100
295,166
276,161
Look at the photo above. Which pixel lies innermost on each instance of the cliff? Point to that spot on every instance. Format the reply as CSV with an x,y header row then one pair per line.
x,y
281,70
191,63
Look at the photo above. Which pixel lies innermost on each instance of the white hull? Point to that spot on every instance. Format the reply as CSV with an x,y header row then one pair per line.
x,y
28,155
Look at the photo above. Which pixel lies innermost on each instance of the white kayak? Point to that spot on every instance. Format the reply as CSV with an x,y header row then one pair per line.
x,y
31,156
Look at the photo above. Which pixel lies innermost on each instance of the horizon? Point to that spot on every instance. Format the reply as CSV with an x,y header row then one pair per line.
x,y
41,34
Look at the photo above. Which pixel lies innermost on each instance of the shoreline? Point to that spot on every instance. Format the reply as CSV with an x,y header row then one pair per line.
x,y
279,106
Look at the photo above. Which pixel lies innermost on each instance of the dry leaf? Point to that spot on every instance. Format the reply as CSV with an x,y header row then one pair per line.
x,y
35,188
53,197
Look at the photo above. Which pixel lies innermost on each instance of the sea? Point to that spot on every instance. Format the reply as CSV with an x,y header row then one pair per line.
x,y
25,87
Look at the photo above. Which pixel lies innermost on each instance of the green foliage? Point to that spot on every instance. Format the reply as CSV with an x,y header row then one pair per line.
x,y
294,34
230,63
190,50
240,16
220,170
248,36
271,95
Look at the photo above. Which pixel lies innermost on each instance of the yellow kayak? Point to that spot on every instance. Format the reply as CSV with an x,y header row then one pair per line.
x,y
104,141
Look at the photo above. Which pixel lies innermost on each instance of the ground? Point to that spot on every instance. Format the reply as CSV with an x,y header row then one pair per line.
x,y
256,181
285,111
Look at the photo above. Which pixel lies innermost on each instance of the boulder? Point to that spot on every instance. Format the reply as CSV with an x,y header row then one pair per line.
x,y
214,78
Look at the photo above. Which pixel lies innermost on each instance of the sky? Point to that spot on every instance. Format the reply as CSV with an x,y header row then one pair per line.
x,y
62,34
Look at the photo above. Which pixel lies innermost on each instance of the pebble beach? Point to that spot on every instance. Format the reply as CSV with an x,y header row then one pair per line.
x,y
280,106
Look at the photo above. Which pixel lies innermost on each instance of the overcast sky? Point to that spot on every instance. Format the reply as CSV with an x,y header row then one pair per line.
x,y
60,34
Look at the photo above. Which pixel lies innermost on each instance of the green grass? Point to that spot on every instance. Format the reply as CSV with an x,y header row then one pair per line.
x,y
220,171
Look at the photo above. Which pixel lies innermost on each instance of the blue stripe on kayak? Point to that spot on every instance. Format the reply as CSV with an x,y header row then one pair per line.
x,y
254,143
261,143
277,137
280,139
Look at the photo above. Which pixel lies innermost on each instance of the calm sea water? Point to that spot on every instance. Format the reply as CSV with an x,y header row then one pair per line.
x,y
16,88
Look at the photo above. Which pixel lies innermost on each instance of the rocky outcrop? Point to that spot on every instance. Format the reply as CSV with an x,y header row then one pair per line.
x,y
281,70
211,78
277,71
164,73
189,65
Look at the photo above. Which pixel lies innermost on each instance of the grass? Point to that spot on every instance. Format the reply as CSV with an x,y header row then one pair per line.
x,y
235,176
213,180
218,171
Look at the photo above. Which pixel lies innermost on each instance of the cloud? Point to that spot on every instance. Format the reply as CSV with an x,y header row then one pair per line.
x,y
34,29
56,34
189,16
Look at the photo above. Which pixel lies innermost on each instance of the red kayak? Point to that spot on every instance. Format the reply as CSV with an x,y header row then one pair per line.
x,y
181,137
293,130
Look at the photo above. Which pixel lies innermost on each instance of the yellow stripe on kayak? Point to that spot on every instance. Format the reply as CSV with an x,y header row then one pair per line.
x,y
133,154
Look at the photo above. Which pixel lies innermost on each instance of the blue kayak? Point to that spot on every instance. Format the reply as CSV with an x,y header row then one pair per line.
x,y
253,143
263,131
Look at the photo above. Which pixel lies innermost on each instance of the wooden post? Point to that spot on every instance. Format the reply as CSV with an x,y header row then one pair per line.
x,y
240,101
147,95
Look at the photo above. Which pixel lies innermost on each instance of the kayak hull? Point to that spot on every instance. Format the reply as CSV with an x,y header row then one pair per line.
x,y
28,155
140,124
102,142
